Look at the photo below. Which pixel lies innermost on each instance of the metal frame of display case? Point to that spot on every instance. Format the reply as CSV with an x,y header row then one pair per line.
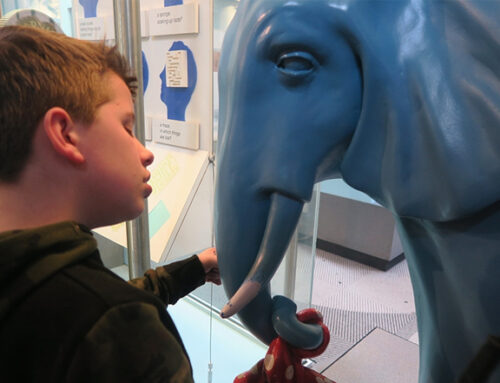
x,y
128,39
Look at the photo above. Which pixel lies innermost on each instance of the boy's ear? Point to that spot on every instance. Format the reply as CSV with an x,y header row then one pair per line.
x,y
62,133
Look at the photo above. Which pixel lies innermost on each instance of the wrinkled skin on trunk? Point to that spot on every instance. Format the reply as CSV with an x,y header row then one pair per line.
x,y
402,100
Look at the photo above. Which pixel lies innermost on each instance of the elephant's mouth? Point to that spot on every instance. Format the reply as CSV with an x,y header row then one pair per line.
x,y
284,213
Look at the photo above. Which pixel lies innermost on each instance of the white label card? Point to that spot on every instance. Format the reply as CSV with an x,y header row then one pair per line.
x,y
176,133
96,28
91,28
177,69
174,20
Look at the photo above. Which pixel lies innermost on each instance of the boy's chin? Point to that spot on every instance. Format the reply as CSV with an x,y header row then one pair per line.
x,y
132,216
119,218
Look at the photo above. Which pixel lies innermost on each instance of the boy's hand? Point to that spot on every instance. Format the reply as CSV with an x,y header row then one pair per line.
x,y
208,259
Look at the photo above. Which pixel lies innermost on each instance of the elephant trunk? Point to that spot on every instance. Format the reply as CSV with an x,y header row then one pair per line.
x,y
283,216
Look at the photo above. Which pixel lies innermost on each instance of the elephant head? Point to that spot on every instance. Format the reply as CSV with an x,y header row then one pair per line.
x,y
258,208
398,98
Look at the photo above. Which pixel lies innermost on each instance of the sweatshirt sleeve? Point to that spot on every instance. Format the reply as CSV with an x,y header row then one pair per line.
x,y
129,343
173,281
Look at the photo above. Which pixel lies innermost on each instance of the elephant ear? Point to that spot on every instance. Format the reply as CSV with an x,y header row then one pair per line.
x,y
427,144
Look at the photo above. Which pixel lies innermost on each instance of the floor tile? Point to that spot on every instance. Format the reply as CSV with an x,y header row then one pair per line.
x,y
380,357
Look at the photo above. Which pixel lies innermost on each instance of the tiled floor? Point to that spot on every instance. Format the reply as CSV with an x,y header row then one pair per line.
x,y
380,357
356,299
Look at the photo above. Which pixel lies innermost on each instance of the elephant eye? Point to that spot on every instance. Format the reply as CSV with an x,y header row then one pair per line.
x,y
296,64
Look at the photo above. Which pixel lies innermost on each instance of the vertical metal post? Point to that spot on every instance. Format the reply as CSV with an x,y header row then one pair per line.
x,y
128,39
291,266
315,201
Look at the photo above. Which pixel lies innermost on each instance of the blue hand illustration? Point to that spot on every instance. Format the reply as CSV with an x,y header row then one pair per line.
x,y
89,7
177,99
168,3
145,73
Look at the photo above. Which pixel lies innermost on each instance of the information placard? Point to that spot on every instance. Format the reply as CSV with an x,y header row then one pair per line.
x,y
177,69
177,133
96,28
174,20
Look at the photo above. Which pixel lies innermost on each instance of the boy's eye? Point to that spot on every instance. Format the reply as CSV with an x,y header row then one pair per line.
x,y
129,130
128,123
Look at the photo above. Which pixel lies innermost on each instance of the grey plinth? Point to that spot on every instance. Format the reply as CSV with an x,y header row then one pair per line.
x,y
361,231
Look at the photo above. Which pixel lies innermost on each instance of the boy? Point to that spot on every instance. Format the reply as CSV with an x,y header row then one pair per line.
x,y
70,163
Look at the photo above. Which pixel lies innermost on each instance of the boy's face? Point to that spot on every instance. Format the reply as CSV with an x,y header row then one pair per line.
x,y
116,175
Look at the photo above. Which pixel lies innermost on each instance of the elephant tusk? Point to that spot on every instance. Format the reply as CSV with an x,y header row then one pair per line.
x,y
284,214
247,291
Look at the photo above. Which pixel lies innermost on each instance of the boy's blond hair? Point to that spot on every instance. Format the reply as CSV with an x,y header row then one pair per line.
x,y
41,69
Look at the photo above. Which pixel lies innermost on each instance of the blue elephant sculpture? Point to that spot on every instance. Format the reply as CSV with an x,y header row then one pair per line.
x,y
401,99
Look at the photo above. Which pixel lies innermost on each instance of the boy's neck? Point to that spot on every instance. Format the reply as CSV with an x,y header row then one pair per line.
x,y
32,202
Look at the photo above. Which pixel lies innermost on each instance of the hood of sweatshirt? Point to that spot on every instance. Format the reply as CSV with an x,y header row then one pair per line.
x,y
29,257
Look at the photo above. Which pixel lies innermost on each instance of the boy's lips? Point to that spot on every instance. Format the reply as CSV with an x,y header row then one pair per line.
x,y
148,188
148,191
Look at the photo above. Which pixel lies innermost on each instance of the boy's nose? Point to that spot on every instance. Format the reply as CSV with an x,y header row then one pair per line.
x,y
147,157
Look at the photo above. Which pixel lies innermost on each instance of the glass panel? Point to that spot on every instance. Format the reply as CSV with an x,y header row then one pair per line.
x,y
340,188
223,13
294,277
58,10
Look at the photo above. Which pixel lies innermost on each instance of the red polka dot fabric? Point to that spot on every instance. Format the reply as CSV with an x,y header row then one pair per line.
x,y
283,363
